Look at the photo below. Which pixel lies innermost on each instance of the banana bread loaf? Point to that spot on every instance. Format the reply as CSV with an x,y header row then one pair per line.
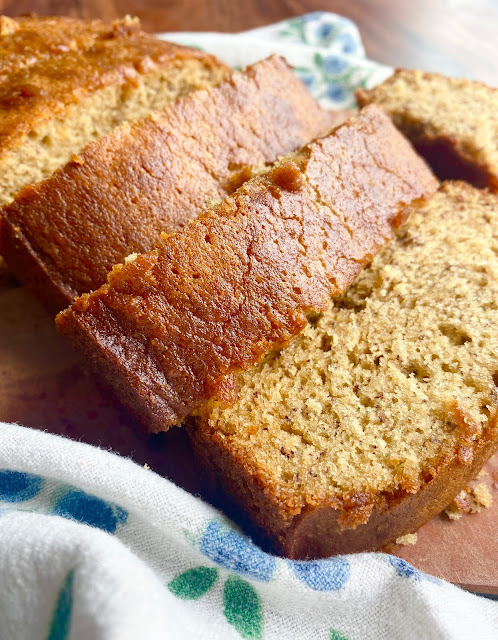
x,y
62,236
174,326
453,123
65,82
386,406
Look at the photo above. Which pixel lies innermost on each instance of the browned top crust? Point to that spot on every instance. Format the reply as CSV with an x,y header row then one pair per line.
x,y
73,58
26,40
173,326
152,176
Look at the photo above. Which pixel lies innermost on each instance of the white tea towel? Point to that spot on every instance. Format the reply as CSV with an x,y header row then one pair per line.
x,y
92,546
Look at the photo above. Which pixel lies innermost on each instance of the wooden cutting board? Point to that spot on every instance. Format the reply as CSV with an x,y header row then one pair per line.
x,y
42,386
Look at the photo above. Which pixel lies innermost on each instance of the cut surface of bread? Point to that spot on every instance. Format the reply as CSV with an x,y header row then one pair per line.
x,y
63,236
452,122
66,82
386,406
172,327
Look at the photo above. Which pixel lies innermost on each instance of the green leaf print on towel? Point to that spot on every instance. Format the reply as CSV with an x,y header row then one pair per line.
x,y
243,608
194,583
335,635
241,602
61,621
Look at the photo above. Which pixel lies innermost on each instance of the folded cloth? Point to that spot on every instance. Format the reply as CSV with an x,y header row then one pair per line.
x,y
325,50
93,546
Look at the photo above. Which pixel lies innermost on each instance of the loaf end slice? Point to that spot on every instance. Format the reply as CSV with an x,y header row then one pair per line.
x,y
172,327
63,235
452,122
84,79
386,406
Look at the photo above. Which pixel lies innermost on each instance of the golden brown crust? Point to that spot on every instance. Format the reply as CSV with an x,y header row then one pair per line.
x,y
319,531
26,40
450,155
172,327
63,236
86,57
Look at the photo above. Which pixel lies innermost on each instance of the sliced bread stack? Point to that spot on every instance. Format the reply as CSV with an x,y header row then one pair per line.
x,y
339,408
174,326
335,426
63,235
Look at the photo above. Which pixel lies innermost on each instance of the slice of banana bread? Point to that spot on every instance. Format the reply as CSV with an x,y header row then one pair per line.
x,y
453,123
65,82
386,406
172,327
62,236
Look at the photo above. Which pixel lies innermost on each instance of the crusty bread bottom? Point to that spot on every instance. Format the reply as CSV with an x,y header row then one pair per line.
x,y
52,145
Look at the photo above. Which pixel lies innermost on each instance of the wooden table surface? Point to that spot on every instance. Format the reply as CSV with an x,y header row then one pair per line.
x,y
456,37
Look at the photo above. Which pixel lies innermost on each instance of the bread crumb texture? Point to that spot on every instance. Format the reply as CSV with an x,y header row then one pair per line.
x,y
469,500
483,495
409,538
398,374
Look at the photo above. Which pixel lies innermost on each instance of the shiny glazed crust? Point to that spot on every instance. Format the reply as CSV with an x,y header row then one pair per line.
x,y
172,327
63,235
